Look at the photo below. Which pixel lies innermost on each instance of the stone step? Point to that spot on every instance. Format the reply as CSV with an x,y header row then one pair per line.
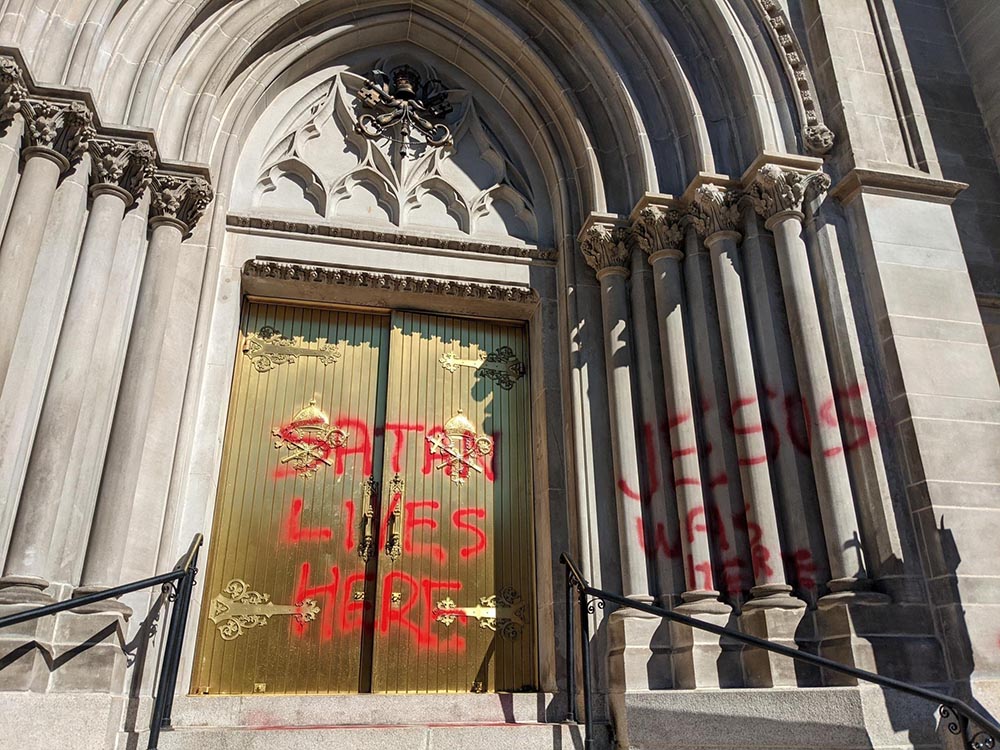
x,y
269,711
412,737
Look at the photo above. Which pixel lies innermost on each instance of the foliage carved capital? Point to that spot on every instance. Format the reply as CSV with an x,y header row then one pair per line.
x,y
775,190
714,209
62,127
605,245
659,229
182,198
126,165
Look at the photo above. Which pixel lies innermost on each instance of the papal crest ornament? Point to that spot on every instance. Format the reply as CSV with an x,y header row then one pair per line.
x,y
309,440
404,103
461,446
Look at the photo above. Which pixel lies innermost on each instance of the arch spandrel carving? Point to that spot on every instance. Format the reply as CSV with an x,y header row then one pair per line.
x,y
307,158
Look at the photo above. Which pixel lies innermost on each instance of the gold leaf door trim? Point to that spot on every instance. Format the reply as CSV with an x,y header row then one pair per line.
x,y
239,608
267,349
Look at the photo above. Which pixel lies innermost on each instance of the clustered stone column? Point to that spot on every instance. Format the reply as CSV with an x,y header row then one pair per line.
x,y
51,497
606,248
70,391
55,136
777,194
659,233
715,216
177,205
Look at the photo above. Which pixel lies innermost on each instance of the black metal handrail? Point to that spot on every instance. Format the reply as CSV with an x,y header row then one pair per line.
x,y
978,731
177,586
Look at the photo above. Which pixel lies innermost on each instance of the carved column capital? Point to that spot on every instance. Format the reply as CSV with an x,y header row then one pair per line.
x,y
659,230
125,167
713,209
12,90
606,246
61,129
776,191
180,199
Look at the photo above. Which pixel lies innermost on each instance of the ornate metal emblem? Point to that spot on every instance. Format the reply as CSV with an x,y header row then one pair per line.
x,y
267,349
501,366
503,613
461,446
238,608
309,439
404,103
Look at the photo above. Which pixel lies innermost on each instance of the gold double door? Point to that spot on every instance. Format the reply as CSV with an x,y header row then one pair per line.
x,y
373,528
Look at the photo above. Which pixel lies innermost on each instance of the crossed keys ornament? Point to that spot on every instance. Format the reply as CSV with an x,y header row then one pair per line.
x,y
310,440
461,447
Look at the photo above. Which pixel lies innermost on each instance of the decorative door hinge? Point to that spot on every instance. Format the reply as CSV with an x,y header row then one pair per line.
x,y
267,349
501,366
503,613
238,608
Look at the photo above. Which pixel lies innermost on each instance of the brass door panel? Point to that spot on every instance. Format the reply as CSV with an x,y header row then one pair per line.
x,y
281,611
456,564
373,528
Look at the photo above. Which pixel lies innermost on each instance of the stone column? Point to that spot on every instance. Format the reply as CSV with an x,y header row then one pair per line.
x,y
715,217
658,231
52,497
12,92
605,247
777,194
55,136
178,203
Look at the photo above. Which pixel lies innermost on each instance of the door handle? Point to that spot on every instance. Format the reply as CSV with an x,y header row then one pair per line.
x,y
393,544
367,546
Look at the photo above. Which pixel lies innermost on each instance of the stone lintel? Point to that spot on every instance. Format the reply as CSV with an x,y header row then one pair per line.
x,y
913,184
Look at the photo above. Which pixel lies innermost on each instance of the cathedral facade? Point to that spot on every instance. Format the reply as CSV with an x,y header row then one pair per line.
x,y
397,302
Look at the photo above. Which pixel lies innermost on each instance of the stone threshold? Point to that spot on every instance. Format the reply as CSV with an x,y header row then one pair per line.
x,y
368,710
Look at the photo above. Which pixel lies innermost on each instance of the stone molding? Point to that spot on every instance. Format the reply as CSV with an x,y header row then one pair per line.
x,y
775,190
179,198
365,234
127,166
817,138
58,126
605,245
915,185
714,209
269,269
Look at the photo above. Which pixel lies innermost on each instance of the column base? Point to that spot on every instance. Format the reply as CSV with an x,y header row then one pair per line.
x,y
701,659
24,590
788,626
772,596
87,650
638,652
867,631
107,605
